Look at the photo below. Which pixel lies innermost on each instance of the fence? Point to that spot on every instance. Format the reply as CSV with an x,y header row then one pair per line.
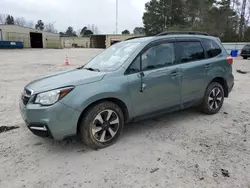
x,y
234,46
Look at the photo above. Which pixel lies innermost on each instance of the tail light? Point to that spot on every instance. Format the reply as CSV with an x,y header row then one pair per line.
x,y
230,60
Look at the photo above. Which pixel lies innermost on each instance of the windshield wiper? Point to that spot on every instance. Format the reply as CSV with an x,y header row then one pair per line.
x,y
92,69
81,67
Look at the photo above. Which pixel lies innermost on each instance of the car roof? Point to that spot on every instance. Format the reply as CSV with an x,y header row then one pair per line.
x,y
154,38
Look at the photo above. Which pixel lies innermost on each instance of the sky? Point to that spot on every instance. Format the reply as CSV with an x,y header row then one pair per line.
x,y
79,13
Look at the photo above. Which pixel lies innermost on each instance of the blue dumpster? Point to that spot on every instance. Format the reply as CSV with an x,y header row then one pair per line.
x,y
11,44
234,53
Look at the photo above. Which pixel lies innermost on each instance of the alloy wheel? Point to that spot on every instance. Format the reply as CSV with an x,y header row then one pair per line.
x,y
105,126
215,98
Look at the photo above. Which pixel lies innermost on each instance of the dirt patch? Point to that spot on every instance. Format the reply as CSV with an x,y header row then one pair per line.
x,y
242,72
6,128
225,173
188,147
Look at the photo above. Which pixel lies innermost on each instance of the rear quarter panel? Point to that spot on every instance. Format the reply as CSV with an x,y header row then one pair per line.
x,y
221,67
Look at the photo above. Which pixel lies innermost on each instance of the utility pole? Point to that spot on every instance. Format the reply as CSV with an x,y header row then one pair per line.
x,y
242,18
116,17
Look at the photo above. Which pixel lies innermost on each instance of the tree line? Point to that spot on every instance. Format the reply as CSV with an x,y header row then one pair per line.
x,y
227,19
49,27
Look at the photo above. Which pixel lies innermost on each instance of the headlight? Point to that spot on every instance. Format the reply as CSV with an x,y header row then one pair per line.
x,y
51,97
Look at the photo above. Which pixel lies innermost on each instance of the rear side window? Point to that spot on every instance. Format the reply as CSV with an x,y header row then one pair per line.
x,y
190,51
212,48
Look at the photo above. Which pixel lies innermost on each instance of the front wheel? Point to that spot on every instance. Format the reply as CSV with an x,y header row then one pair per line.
x,y
102,125
244,57
213,99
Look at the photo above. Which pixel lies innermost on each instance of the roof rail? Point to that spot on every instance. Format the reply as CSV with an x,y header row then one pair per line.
x,y
135,37
182,32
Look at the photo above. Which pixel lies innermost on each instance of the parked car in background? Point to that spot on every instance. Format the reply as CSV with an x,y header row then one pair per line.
x,y
131,80
245,52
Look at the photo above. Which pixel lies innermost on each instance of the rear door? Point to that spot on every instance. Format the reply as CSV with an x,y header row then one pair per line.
x,y
191,56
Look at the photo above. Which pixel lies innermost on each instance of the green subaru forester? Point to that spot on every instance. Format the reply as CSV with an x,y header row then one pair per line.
x,y
133,79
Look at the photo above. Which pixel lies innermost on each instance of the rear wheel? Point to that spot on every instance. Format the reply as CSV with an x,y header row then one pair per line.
x,y
244,57
102,125
213,99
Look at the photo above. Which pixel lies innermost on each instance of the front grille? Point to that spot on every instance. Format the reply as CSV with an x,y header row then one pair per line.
x,y
25,99
26,96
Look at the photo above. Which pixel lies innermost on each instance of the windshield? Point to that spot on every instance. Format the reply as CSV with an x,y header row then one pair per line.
x,y
113,57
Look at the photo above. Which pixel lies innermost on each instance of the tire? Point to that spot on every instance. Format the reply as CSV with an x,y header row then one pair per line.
x,y
244,57
94,125
212,105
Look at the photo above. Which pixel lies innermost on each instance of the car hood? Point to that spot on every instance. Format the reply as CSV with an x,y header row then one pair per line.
x,y
72,77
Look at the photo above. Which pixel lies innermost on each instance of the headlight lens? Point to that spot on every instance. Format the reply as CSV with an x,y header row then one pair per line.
x,y
51,97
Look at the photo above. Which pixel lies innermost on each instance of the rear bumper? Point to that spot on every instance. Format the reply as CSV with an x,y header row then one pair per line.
x,y
230,83
231,88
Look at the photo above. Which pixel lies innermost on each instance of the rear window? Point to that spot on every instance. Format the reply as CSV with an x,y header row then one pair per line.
x,y
212,48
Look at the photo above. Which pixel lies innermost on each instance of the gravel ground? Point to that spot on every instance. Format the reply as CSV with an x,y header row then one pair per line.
x,y
184,149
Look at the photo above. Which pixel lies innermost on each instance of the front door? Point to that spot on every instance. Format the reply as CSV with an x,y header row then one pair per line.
x,y
155,79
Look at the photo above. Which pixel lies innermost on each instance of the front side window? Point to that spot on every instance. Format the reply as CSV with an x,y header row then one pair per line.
x,y
113,57
212,48
190,51
158,56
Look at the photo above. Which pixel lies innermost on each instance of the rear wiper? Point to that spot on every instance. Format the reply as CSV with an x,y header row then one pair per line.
x,y
91,69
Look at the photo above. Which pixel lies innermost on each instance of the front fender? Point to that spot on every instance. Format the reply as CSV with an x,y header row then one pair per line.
x,y
84,95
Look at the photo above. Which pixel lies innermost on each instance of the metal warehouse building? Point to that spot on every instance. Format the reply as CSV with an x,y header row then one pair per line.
x,y
93,41
31,38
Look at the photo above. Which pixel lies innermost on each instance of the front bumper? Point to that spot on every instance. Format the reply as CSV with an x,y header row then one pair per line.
x,y
57,121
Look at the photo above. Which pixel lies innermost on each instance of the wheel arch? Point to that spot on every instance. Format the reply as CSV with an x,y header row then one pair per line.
x,y
223,83
114,100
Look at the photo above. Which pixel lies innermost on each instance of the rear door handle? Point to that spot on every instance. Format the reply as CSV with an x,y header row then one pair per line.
x,y
208,66
174,74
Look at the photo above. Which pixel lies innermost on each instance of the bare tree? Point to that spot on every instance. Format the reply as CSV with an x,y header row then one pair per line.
x,y
50,28
93,28
20,21
78,32
96,30
30,24
3,18
242,19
